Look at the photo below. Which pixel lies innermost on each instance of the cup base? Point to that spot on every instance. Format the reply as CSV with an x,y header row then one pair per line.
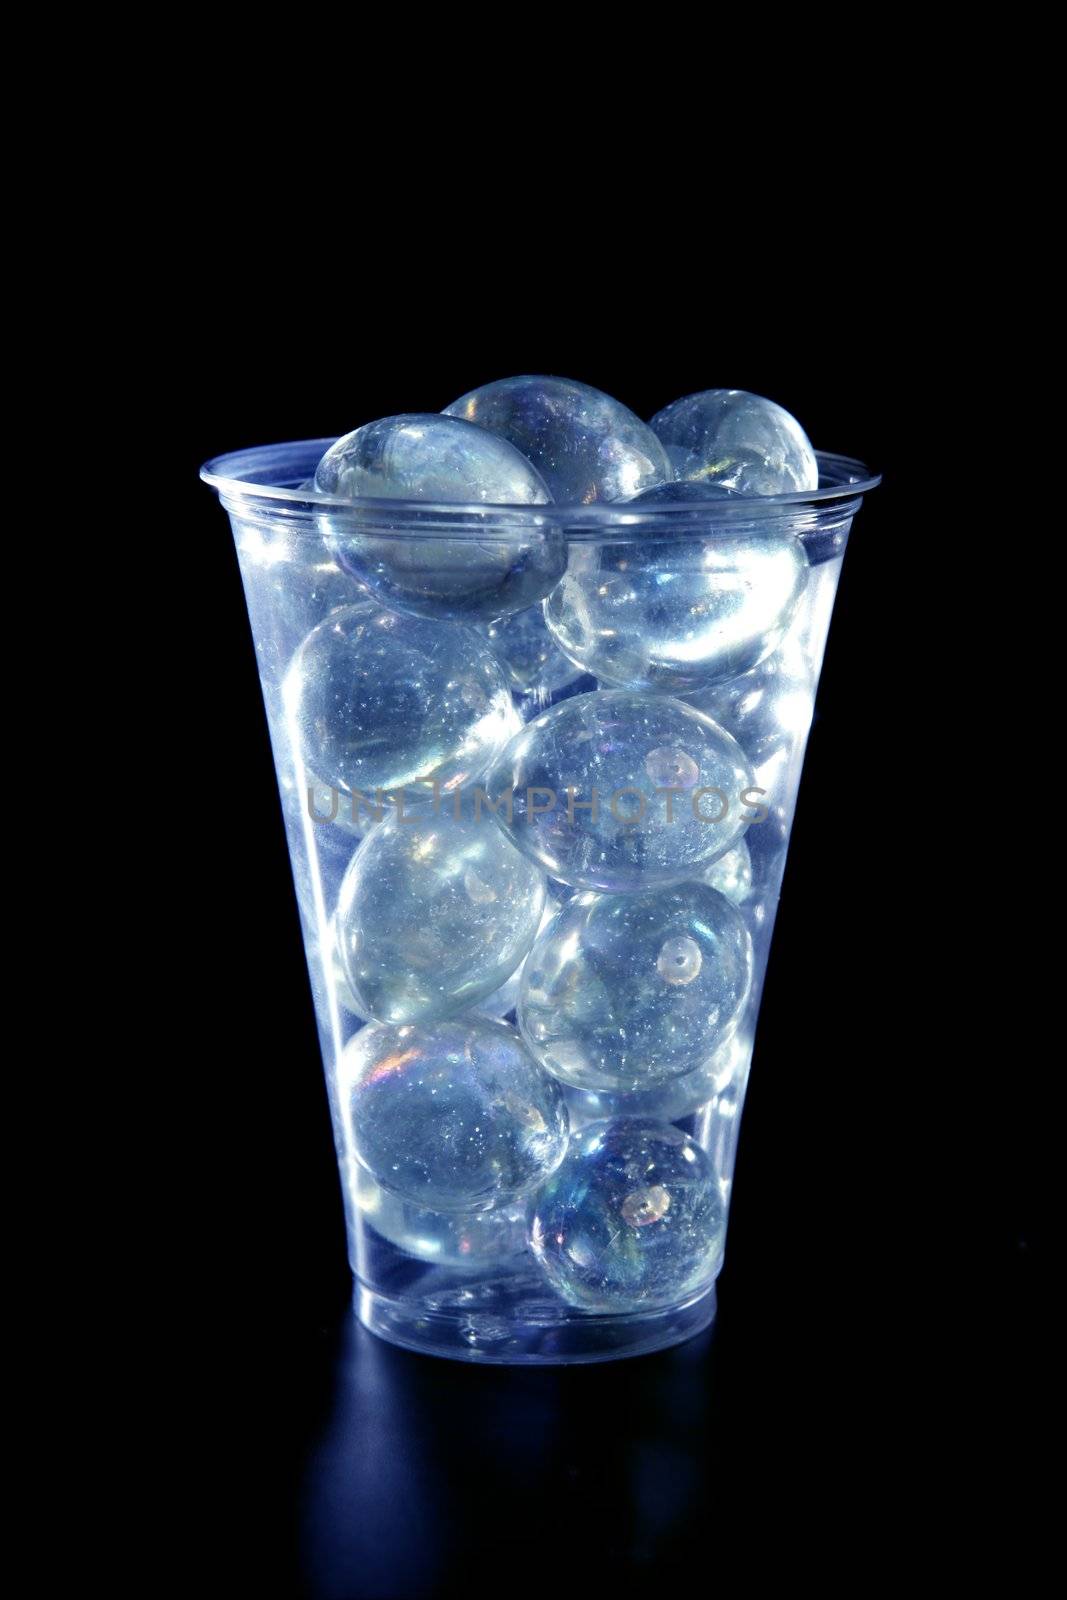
x,y
508,1324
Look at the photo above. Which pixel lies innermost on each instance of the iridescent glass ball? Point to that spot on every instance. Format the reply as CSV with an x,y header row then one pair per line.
x,y
624,991
633,1220
376,700
477,566
676,614
434,915
622,792
586,446
451,1116
737,440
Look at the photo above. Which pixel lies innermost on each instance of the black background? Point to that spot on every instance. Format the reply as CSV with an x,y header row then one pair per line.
x,y
876,1298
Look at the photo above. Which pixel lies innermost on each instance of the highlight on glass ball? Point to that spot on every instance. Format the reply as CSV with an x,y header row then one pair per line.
x,y
539,673
451,1116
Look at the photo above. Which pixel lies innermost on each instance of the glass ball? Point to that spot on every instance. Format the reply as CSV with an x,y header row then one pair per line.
x,y
434,915
623,991
453,1116
586,446
381,701
445,1238
737,440
438,460
632,1220
677,614
619,753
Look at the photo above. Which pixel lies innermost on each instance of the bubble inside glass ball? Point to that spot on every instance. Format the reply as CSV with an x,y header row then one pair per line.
x,y
677,614
451,1116
737,440
622,792
377,700
492,566
623,991
633,1219
587,446
434,915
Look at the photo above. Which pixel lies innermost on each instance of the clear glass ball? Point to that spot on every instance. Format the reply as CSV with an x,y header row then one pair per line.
x,y
622,792
676,614
738,441
624,991
632,1220
376,700
434,915
586,446
438,460
451,1116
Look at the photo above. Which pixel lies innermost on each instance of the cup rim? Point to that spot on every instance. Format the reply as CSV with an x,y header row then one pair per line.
x,y
238,476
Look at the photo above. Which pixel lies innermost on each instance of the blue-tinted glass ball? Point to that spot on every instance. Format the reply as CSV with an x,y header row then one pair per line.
x,y
632,1220
677,614
434,915
451,1116
737,440
376,700
586,446
624,991
498,565
668,788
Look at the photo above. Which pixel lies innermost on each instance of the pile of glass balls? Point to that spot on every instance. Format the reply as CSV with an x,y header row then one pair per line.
x,y
612,931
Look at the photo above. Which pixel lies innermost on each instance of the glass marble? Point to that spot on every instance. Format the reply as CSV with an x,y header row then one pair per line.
x,y
453,1116
586,446
623,991
633,1218
731,874
502,564
376,700
445,1238
587,782
737,440
434,915
533,662
677,614
767,709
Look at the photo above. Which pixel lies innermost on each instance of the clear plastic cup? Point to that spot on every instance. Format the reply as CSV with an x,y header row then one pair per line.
x,y
594,1226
